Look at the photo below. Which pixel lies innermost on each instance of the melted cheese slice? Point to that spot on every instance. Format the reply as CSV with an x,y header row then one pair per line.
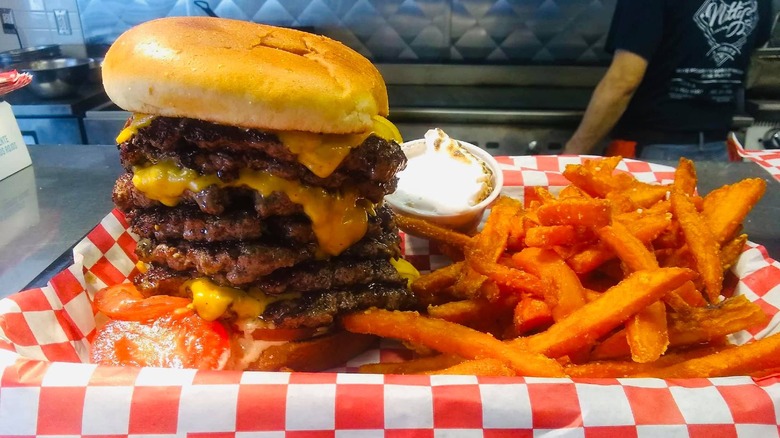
x,y
338,220
320,153
406,270
211,300
137,121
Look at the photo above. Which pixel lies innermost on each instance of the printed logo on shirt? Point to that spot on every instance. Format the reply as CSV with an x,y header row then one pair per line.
x,y
726,26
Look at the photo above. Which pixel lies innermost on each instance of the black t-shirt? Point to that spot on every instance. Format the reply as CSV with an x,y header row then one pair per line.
x,y
697,53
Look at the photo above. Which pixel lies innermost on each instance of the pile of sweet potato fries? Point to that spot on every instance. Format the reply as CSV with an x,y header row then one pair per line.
x,y
611,277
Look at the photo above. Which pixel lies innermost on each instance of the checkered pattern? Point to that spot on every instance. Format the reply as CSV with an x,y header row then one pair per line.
x,y
44,390
768,159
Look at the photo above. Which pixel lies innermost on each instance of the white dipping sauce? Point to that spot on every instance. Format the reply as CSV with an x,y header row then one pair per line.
x,y
441,176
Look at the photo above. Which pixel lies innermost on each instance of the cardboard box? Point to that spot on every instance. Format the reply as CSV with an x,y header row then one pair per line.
x,y
14,155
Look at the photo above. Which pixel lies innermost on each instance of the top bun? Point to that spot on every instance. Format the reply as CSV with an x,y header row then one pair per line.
x,y
244,74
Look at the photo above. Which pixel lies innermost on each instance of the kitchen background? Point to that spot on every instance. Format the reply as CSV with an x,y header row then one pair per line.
x,y
461,31
512,75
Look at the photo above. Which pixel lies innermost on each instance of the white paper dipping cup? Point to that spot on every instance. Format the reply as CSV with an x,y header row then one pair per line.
x,y
465,220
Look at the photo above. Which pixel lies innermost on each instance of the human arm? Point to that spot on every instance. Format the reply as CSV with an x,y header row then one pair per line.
x,y
609,101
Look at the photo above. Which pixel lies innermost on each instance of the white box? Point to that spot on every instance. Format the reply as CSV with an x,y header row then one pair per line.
x,y
14,155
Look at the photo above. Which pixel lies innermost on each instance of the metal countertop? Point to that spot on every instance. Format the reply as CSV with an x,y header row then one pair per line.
x,y
47,208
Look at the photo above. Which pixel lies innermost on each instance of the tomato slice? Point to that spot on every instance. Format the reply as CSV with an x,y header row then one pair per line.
x,y
125,302
171,341
265,334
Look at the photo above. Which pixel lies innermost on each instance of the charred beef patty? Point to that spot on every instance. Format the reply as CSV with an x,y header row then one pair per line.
x,y
306,277
191,224
211,200
209,148
238,263
322,308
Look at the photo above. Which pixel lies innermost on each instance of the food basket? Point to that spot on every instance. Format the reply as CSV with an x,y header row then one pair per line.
x,y
45,389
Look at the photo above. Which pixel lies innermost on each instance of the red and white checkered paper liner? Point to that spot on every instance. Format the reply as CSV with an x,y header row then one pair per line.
x,y
45,390
767,159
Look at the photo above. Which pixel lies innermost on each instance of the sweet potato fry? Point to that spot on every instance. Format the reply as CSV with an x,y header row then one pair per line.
x,y
645,228
649,226
646,332
646,195
490,243
477,367
685,176
531,314
469,282
594,177
514,280
449,338
589,258
629,249
488,246
699,325
744,359
688,296
422,228
724,209
566,293
412,366
551,235
704,324
586,325
617,368
428,285
572,192
701,242
731,250
478,313
536,196
578,212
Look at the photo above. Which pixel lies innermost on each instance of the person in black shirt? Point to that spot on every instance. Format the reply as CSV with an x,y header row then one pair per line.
x,y
677,68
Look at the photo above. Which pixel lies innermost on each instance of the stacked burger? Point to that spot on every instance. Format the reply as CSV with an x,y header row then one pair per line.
x,y
257,159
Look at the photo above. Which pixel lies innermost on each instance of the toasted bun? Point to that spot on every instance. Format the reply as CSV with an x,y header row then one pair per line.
x,y
317,354
244,74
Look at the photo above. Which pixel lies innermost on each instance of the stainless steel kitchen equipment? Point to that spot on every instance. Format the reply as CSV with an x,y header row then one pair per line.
x,y
55,121
762,90
58,77
28,54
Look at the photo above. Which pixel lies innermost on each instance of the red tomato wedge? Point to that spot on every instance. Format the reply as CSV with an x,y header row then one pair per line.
x,y
125,302
171,341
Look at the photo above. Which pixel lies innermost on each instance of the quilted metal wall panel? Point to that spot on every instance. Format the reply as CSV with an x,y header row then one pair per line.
x,y
521,32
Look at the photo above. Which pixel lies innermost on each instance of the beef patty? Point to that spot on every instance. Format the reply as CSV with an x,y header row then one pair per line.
x,y
209,148
306,277
238,263
190,224
322,308
211,200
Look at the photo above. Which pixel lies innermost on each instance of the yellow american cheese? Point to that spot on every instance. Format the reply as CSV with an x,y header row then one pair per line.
x,y
405,269
211,300
338,220
137,122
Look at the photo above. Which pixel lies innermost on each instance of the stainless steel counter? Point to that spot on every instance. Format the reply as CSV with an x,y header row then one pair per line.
x,y
48,207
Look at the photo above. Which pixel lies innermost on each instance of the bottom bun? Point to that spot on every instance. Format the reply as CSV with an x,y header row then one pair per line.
x,y
316,354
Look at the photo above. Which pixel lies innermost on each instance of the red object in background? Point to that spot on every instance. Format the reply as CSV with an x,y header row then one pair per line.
x,y
13,80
